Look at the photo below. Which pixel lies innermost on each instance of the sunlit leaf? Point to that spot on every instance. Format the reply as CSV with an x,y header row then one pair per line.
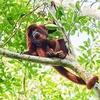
x,y
22,92
51,26
77,5
82,47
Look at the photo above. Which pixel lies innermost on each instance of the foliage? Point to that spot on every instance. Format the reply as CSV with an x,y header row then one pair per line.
x,y
21,80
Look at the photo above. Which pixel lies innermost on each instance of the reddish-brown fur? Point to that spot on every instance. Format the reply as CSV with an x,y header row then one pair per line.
x,y
92,81
39,45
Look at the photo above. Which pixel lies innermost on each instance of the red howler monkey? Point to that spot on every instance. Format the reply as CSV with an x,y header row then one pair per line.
x,y
39,45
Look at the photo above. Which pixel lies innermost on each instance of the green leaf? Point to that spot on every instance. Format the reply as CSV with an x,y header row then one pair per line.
x,y
59,12
98,61
89,52
74,16
77,5
1,3
85,55
92,33
89,41
81,17
99,8
73,31
51,26
81,59
29,75
71,5
22,92
86,43
17,84
82,47
1,80
98,23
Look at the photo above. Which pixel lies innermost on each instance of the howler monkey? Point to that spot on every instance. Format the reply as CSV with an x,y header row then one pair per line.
x,y
39,45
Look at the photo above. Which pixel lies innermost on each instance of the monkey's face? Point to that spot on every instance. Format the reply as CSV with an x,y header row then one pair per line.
x,y
36,34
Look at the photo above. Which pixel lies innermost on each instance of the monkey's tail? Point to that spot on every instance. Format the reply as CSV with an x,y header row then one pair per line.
x,y
64,72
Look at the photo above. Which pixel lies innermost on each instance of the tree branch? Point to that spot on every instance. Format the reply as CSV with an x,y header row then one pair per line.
x,y
69,62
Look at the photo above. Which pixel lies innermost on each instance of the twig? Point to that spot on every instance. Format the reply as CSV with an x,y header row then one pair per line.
x,y
2,45
93,3
57,22
28,3
65,34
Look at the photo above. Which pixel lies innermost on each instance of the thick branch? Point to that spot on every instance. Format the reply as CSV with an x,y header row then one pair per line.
x,y
36,59
70,62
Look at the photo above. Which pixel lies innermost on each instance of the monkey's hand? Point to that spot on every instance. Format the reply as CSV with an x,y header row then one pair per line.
x,y
50,53
60,54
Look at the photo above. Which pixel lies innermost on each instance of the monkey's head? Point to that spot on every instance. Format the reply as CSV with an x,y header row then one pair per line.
x,y
36,34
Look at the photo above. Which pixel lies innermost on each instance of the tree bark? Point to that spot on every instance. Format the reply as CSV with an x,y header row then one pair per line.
x,y
69,62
